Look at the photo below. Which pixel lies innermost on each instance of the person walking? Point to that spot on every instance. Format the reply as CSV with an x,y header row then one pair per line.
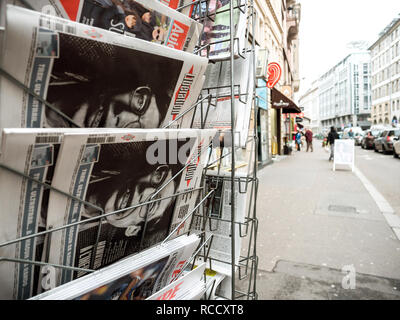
x,y
309,136
298,140
331,140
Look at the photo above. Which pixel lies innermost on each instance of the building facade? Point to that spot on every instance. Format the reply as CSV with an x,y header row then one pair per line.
x,y
276,31
385,63
345,93
309,105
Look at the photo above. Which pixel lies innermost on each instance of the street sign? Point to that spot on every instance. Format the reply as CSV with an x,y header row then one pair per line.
x,y
343,153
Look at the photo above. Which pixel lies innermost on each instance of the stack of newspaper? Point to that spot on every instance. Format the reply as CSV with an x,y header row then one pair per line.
x,y
191,286
122,186
215,39
215,288
135,278
218,210
91,77
218,84
85,84
149,20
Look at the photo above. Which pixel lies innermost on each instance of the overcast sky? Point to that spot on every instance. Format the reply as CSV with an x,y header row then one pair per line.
x,y
327,26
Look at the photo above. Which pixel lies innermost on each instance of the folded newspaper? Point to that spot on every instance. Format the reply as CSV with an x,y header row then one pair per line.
x,y
149,20
216,36
132,177
134,278
214,281
185,287
221,158
218,84
113,169
24,204
219,224
184,6
93,77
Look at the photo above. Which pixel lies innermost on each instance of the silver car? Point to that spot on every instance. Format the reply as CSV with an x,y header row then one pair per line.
x,y
396,147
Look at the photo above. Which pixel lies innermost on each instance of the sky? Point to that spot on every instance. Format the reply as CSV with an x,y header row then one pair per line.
x,y
327,26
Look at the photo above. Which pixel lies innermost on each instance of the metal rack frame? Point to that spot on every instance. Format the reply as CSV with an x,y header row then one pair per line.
x,y
247,264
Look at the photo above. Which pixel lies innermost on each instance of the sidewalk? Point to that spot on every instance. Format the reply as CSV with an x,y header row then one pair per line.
x,y
312,223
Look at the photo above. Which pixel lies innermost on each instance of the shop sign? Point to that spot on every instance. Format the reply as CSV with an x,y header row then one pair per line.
x,y
274,72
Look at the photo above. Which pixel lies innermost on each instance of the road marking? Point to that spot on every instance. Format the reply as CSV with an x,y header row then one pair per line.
x,y
367,157
386,209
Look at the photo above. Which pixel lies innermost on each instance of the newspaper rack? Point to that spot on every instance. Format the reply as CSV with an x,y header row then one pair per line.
x,y
248,263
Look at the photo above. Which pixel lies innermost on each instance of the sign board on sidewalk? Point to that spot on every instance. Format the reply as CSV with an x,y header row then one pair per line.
x,y
344,153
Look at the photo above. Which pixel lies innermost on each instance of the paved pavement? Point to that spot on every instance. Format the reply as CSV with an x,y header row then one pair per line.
x,y
320,228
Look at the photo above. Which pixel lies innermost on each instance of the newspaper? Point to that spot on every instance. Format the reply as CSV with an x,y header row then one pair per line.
x,y
186,203
218,84
181,5
134,278
181,288
219,223
221,158
213,283
216,36
96,77
24,204
149,20
114,171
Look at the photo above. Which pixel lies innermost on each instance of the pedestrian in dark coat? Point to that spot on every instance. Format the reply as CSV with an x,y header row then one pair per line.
x,y
332,136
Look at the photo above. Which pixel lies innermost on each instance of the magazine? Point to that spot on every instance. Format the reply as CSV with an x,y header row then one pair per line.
x,y
23,211
134,278
115,170
123,82
215,15
149,20
181,289
217,83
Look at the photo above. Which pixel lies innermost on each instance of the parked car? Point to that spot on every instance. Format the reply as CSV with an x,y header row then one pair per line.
x,y
350,133
384,142
358,137
367,141
396,147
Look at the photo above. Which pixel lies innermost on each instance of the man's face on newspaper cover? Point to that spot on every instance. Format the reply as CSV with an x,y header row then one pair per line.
x,y
134,109
99,84
138,192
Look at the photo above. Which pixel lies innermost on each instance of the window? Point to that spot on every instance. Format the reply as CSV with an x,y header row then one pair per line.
x,y
366,101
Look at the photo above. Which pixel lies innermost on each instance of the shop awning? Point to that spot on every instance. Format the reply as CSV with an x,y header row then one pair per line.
x,y
280,101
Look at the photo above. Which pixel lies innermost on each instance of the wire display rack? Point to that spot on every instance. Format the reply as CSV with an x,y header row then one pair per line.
x,y
245,270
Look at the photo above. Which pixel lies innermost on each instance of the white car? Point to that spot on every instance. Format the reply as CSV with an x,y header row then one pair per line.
x,y
396,147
